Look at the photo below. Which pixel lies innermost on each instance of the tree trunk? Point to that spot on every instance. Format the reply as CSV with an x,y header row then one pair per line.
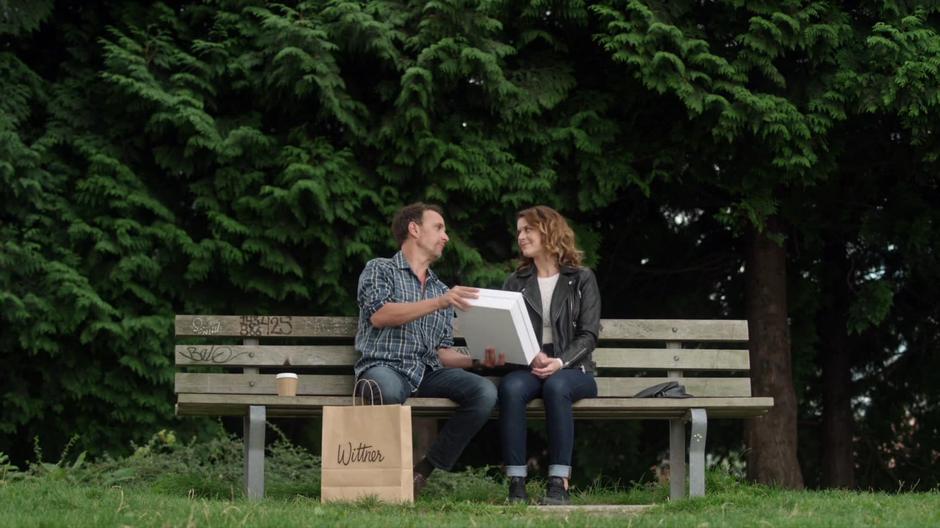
x,y
838,460
772,439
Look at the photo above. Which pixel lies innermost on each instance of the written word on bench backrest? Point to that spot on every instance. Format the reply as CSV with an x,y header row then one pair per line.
x,y
261,325
210,354
206,326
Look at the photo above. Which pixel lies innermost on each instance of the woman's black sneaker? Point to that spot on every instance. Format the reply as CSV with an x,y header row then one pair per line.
x,y
517,491
555,493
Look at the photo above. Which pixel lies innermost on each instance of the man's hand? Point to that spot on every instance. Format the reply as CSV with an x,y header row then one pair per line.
x,y
458,297
451,357
491,359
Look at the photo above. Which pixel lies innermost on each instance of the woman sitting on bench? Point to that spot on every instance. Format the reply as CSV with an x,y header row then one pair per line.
x,y
564,305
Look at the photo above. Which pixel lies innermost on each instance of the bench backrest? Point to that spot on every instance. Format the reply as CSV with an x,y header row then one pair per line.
x,y
710,355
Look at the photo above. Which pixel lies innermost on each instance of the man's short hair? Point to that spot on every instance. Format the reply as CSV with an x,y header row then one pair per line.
x,y
408,214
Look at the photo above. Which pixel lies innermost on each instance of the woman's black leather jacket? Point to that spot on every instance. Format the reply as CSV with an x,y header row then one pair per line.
x,y
576,312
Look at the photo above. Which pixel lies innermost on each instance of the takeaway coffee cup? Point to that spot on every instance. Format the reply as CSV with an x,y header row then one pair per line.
x,y
287,384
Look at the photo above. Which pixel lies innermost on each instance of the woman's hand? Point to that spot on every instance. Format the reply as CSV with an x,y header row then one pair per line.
x,y
540,360
544,366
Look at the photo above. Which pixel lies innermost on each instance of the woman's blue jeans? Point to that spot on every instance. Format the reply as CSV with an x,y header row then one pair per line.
x,y
558,391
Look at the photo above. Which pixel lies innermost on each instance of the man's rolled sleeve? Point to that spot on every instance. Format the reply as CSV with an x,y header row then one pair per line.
x,y
447,338
375,288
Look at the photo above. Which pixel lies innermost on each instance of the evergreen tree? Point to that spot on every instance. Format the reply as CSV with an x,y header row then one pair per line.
x,y
245,157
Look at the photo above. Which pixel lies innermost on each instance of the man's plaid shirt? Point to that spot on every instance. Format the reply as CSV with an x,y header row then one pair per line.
x,y
408,348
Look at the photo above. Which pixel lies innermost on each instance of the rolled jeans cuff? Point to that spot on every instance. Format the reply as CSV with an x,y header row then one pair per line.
x,y
516,471
558,470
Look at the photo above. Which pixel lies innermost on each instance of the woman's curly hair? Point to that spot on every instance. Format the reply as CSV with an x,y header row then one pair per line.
x,y
557,235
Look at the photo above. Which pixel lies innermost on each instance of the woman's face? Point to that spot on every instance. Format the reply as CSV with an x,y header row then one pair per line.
x,y
529,238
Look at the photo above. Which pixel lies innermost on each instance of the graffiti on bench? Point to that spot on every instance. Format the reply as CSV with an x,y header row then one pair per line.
x,y
264,325
217,354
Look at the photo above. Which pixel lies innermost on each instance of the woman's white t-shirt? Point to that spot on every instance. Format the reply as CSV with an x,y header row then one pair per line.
x,y
547,288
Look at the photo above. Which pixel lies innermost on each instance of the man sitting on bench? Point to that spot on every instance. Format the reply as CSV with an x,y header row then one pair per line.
x,y
405,335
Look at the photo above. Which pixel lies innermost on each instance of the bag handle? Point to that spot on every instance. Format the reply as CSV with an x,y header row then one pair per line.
x,y
373,389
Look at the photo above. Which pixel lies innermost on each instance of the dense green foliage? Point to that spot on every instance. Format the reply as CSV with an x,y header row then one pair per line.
x,y
245,157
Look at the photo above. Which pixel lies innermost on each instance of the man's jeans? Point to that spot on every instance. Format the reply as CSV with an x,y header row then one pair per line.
x,y
559,391
475,397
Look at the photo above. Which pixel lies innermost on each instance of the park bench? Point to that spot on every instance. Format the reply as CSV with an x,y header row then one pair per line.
x,y
709,357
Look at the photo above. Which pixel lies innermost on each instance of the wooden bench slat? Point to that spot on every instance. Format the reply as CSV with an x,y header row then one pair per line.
x,y
705,330
346,356
264,326
646,408
266,355
672,359
704,387
261,384
731,331
341,385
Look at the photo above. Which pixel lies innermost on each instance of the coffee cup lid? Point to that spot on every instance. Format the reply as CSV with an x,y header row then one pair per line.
x,y
286,375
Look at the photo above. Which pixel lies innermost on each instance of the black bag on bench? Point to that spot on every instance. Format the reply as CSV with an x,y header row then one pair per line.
x,y
669,389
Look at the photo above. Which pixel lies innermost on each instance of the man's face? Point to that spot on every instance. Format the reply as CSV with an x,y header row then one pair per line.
x,y
432,234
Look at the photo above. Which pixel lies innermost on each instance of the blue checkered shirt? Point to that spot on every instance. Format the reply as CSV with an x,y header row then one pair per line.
x,y
408,348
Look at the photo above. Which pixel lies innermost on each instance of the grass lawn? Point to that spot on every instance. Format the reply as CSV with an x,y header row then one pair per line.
x,y
59,502
168,483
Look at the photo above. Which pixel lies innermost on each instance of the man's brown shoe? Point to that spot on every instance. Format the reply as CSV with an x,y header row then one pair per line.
x,y
419,483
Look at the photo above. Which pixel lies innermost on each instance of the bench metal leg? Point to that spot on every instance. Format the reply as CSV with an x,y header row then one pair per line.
x,y
676,459
254,451
697,453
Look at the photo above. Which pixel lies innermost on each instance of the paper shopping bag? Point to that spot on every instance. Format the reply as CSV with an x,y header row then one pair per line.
x,y
367,452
